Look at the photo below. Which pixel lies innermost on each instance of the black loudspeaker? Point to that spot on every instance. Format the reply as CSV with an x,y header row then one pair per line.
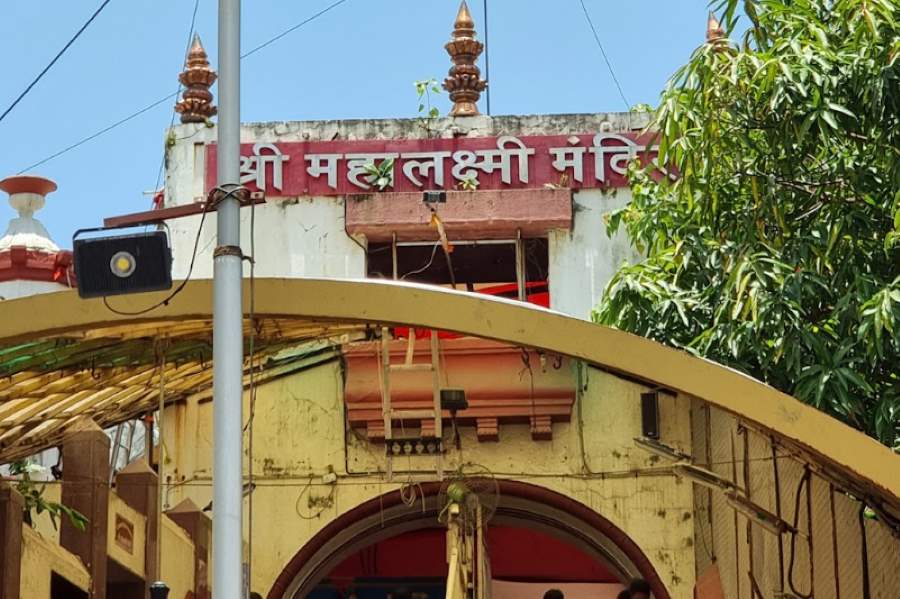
x,y
453,400
650,415
122,264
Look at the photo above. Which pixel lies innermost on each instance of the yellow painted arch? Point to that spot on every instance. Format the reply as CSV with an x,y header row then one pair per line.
x,y
849,451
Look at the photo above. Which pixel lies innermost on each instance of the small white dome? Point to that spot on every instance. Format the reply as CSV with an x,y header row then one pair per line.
x,y
27,196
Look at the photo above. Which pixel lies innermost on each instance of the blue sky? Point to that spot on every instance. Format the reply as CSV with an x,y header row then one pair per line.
x,y
358,61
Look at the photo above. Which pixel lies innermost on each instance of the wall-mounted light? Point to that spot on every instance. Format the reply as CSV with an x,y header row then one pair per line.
x,y
454,400
120,264
434,197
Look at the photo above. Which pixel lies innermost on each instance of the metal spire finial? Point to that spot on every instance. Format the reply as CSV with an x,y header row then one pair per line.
x,y
464,82
197,78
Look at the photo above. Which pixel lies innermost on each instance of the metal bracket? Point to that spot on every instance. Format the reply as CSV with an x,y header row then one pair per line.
x,y
228,250
243,195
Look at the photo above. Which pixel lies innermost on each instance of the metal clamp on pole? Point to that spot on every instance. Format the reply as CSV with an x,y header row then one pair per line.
x,y
244,196
228,250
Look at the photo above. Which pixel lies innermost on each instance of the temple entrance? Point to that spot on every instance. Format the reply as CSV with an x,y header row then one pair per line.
x,y
538,539
524,563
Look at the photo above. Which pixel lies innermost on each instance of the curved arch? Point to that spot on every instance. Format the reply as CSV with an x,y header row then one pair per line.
x,y
383,516
836,444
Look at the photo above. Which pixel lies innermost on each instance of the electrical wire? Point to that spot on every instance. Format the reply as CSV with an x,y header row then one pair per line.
x,y
605,57
181,286
804,482
178,289
292,29
93,136
427,264
170,96
187,49
55,58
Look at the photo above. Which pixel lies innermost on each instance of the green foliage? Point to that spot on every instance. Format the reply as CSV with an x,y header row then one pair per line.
x,y
380,175
776,249
424,89
35,503
641,108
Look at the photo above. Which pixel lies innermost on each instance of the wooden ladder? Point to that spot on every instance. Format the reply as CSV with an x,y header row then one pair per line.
x,y
390,414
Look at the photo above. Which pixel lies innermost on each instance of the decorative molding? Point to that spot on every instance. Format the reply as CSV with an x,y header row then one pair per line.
x,y
21,264
495,377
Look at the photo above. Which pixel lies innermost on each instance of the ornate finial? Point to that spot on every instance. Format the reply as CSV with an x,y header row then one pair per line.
x,y
464,82
715,34
197,78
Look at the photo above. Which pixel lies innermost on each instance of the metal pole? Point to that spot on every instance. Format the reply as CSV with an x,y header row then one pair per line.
x,y
160,475
228,321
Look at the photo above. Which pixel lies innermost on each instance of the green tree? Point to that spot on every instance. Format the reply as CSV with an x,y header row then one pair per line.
x,y
776,248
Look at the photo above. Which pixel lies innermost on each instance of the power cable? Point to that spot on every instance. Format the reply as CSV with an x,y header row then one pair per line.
x,y
170,96
98,133
187,49
165,302
55,58
292,29
605,57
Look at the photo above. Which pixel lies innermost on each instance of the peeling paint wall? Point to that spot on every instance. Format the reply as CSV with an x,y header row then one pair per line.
x,y
299,436
583,260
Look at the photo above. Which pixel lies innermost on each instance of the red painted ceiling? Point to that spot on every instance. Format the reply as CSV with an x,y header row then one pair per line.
x,y
516,554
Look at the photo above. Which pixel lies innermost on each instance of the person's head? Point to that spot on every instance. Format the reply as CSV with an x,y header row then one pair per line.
x,y
639,589
624,595
554,594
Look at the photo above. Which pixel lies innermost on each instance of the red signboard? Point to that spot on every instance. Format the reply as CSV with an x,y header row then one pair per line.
x,y
322,168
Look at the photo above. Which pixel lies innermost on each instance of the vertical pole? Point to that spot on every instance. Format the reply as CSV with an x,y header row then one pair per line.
x,y
228,320
114,459
521,271
161,407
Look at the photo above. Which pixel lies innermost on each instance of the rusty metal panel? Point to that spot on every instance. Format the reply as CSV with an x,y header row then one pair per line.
x,y
794,509
765,555
704,552
726,527
849,545
823,553
884,560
